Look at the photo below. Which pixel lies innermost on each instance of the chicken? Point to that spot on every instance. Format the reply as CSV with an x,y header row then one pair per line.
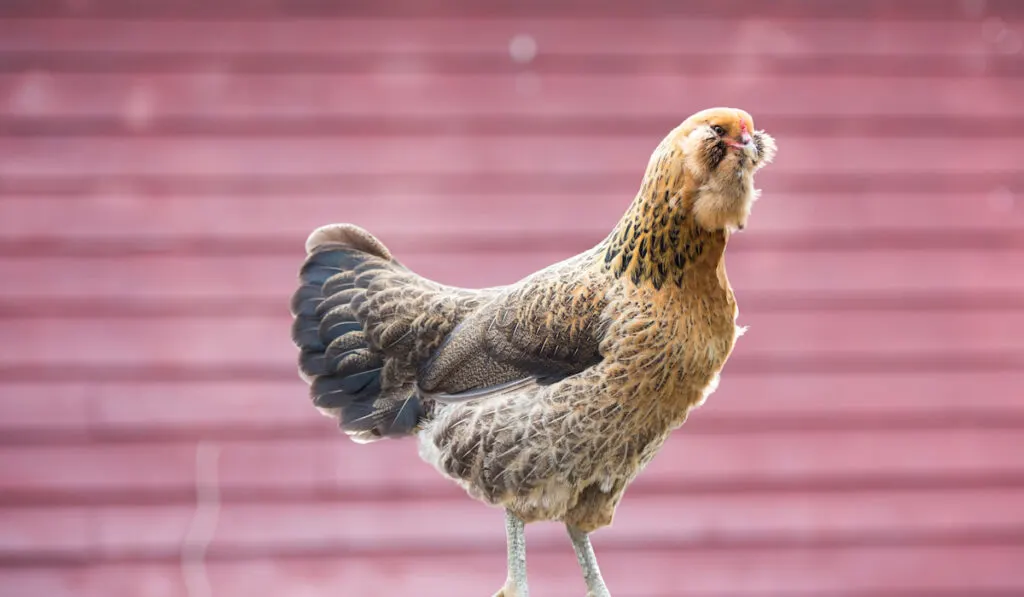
x,y
546,397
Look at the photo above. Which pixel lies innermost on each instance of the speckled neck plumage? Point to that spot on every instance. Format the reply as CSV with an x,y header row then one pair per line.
x,y
658,240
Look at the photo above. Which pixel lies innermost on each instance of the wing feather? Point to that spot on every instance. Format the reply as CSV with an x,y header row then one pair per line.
x,y
538,332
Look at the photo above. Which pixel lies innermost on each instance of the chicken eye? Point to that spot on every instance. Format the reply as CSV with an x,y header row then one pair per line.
x,y
718,130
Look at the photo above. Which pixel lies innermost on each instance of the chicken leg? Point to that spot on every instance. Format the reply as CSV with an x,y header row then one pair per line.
x,y
588,563
515,583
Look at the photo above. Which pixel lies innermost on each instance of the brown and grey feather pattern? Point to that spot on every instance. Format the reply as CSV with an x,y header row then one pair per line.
x,y
547,396
364,323
543,329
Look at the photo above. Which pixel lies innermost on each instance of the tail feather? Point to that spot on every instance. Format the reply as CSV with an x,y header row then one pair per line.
x,y
349,375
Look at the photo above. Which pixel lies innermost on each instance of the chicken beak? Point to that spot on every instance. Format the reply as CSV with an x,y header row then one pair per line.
x,y
745,142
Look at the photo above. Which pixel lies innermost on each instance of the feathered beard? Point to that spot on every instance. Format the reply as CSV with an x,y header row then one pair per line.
x,y
711,151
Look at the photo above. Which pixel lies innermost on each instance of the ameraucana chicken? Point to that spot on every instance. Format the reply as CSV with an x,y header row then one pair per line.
x,y
548,396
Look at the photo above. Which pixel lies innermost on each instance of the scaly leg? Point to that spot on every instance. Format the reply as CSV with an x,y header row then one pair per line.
x,y
515,536
588,563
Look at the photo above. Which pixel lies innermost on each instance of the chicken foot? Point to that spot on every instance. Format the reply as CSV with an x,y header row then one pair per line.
x,y
588,563
515,583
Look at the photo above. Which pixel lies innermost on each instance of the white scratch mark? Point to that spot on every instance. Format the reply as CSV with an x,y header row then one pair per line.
x,y
139,106
204,523
522,48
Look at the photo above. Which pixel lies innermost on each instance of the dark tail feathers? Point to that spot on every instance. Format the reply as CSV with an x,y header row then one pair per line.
x,y
343,369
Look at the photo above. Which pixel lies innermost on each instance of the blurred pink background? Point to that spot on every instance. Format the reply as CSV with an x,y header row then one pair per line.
x,y
161,164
